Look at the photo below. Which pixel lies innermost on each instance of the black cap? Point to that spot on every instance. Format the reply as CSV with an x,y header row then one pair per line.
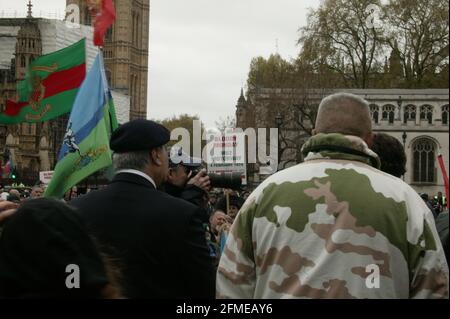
x,y
179,157
234,201
138,135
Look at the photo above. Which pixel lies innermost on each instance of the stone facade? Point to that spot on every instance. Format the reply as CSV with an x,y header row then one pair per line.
x,y
419,119
126,50
34,146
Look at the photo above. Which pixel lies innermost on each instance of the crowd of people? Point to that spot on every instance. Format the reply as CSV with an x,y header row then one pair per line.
x,y
159,229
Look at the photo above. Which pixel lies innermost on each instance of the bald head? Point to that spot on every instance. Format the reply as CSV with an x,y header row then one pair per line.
x,y
344,113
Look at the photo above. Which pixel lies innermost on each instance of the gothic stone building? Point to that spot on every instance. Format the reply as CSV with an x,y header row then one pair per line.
x,y
126,50
34,146
419,119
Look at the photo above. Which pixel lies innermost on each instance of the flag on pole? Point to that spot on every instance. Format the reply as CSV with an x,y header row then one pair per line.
x,y
445,176
49,87
85,148
105,14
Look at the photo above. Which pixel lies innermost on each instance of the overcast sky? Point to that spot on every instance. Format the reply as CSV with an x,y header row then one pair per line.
x,y
200,50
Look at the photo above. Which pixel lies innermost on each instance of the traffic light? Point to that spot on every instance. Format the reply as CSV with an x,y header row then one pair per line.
x,y
13,174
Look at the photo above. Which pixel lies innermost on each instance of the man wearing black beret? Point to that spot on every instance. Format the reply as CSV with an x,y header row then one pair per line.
x,y
157,238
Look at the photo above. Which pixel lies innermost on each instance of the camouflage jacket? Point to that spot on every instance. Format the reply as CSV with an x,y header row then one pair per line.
x,y
333,227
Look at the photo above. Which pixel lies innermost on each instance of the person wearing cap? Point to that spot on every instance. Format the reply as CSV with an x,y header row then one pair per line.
x,y
183,182
235,204
426,199
158,238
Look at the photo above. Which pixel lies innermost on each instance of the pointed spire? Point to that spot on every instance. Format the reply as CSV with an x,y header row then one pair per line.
x,y
242,97
29,5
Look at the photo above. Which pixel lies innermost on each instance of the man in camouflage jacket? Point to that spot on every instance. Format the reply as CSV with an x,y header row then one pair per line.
x,y
334,226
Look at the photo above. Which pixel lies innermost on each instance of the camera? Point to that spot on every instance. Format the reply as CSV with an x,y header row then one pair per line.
x,y
224,180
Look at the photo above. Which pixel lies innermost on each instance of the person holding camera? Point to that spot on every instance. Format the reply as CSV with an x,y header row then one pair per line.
x,y
186,179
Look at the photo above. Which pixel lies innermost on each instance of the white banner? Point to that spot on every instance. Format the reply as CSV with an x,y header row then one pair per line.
x,y
227,155
45,177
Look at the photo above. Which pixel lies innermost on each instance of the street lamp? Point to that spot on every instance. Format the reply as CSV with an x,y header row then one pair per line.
x,y
279,122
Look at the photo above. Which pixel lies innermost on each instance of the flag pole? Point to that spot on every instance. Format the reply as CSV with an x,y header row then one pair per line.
x,y
444,175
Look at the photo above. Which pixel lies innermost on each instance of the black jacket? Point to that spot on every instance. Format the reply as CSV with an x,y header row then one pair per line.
x,y
442,228
191,193
158,239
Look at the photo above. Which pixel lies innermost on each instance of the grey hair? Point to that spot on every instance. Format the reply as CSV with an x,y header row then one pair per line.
x,y
344,113
342,97
131,160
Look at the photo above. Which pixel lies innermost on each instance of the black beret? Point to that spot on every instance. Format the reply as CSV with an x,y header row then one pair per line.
x,y
138,135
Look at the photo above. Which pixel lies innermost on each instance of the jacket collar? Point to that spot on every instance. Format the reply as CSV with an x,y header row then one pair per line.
x,y
338,146
132,178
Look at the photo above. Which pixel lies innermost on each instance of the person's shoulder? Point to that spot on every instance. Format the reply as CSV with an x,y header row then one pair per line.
x,y
87,198
175,202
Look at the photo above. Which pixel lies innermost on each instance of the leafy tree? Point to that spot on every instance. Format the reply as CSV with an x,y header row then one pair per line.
x,y
418,30
273,72
339,36
185,121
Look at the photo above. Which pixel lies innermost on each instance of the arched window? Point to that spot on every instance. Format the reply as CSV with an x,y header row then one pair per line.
x,y
374,111
109,32
424,151
133,30
136,26
131,91
445,115
388,113
136,90
23,62
410,113
426,113
87,16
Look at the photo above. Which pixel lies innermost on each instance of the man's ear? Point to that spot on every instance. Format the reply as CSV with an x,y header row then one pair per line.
x,y
170,173
155,155
369,139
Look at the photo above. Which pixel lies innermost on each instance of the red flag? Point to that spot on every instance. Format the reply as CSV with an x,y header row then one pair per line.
x,y
444,174
104,19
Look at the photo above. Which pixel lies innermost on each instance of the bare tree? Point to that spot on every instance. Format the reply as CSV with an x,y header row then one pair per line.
x,y
418,30
339,37
224,124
